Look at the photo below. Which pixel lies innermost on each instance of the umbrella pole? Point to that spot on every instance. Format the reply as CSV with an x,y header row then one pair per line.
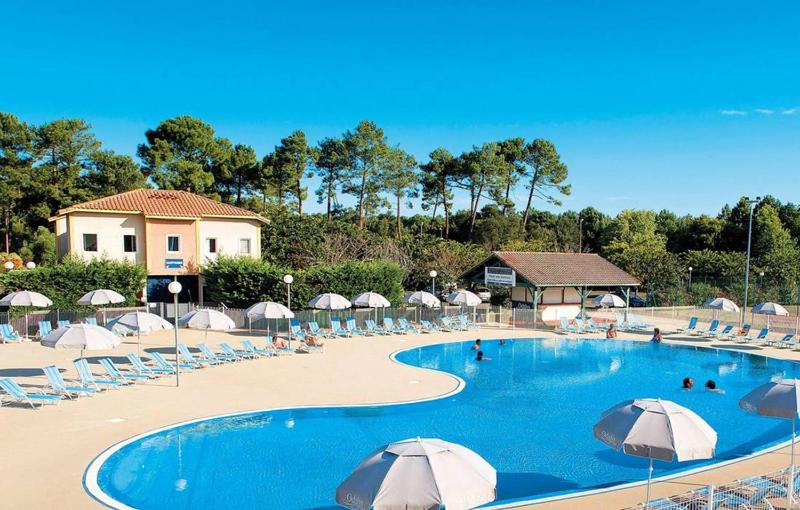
x,y
138,342
26,325
649,479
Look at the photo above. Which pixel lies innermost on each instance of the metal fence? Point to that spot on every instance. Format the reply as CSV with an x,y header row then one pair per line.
x,y
18,323
776,490
777,324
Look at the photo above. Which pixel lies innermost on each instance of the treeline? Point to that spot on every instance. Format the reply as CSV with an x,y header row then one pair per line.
x,y
54,165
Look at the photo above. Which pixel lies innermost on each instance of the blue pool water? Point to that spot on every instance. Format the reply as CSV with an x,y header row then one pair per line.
x,y
529,411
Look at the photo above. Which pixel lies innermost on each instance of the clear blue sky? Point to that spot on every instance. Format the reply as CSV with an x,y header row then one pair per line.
x,y
679,105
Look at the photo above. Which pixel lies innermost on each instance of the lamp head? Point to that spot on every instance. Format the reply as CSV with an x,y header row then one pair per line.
x,y
175,287
31,265
288,279
433,274
9,265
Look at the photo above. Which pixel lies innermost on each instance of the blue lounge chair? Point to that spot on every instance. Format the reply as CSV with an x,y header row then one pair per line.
x,y
195,361
762,335
63,323
45,327
372,327
16,393
466,323
92,321
407,326
59,386
712,329
249,346
451,324
388,325
756,499
566,327
88,379
338,330
725,334
230,351
162,362
594,328
315,330
282,350
142,368
208,353
429,327
350,324
8,333
690,327
786,341
117,375
297,332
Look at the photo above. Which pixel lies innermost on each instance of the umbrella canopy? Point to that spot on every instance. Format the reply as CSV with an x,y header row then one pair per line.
x,y
761,308
721,303
609,301
85,337
140,322
207,319
656,429
26,298
269,310
101,297
423,298
371,300
329,301
779,399
463,298
419,474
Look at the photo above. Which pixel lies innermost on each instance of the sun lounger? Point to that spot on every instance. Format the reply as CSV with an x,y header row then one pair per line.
x,y
63,323
140,367
193,360
315,330
786,341
162,362
296,331
406,326
230,351
594,328
725,334
566,327
92,321
117,375
338,330
690,327
762,335
208,353
450,325
249,346
59,386
372,327
45,327
429,327
351,326
466,323
90,381
388,325
711,330
8,333
17,393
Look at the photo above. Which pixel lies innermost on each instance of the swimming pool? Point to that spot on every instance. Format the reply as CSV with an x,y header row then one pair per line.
x,y
529,411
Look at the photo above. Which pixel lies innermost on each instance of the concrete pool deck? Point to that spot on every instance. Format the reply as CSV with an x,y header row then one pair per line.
x,y
44,453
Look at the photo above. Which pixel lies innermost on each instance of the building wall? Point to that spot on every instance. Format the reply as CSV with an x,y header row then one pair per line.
x,y
109,228
157,232
228,232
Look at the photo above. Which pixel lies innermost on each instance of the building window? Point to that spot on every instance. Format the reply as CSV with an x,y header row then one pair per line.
x,y
212,245
89,242
173,244
129,243
244,246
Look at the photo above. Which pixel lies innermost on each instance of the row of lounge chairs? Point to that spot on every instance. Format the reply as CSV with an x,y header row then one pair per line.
x,y
9,334
348,328
743,335
139,370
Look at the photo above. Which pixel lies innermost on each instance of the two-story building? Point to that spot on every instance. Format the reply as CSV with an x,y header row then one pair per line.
x,y
171,233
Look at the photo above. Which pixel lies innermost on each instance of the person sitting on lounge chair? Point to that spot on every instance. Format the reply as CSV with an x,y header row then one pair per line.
x,y
279,343
314,341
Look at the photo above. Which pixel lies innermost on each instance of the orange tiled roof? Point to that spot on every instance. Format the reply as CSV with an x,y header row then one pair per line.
x,y
563,269
163,203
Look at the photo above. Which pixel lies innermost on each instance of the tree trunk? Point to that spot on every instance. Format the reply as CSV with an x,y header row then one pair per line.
x,y
398,216
530,199
446,210
508,192
475,209
299,192
330,196
362,199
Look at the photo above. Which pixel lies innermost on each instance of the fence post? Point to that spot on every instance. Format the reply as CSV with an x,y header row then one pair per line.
x,y
500,319
513,318
710,503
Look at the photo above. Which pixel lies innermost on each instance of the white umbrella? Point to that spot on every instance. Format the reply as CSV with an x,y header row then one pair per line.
x,y
26,298
419,474
778,399
609,301
463,298
721,303
86,337
330,301
100,297
424,299
371,300
770,309
140,322
656,429
269,310
207,319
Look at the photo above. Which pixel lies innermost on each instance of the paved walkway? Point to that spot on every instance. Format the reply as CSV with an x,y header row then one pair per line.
x,y
44,453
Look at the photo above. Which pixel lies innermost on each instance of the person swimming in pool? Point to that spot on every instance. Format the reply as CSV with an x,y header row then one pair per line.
x,y
481,357
502,342
611,332
477,345
712,386
657,336
688,383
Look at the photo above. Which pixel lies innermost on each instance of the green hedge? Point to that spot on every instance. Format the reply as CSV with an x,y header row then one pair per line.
x,y
65,282
241,281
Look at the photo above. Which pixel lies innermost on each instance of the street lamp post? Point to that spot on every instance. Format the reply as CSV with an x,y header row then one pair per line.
x,y
175,288
433,275
750,204
288,279
689,287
